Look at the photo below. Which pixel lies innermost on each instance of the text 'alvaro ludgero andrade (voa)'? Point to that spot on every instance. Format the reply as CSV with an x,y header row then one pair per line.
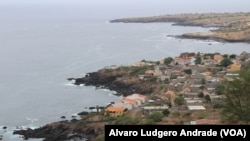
x,y
175,132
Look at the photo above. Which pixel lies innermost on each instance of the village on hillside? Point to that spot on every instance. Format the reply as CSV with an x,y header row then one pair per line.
x,y
191,81
184,90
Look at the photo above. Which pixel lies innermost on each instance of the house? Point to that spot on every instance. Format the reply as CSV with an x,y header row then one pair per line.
x,y
137,97
193,101
189,94
186,90
170,95
160,67
126,103
217,98
195,88
198,76
234,67
144,76
196,81
131,101
158,73
115,111
207,73
150,72
196,107
181,79
174,86
139,64
201,68
221,73
154,108
187,55
163,78
218,58
213,83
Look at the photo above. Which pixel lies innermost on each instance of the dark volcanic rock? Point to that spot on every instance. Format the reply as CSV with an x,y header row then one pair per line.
x,y
58,131
109,82
49,133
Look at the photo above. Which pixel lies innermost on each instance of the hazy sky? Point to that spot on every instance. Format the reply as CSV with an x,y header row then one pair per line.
x,y
14,9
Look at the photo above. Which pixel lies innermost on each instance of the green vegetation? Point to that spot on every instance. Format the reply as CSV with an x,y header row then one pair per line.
x,y
125,120
166,112
237,102
138,70
156,116
188,71
226,62
179,100
168,60
207,98
197,60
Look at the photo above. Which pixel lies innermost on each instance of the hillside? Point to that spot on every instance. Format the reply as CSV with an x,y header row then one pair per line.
x,y
231,27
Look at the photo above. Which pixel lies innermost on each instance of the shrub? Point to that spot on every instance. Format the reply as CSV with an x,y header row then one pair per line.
x,y
156,116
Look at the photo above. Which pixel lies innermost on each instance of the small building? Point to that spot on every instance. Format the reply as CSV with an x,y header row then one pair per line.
x,y
195,88
217,98
193,101
148,109
196,107
138,97
115,111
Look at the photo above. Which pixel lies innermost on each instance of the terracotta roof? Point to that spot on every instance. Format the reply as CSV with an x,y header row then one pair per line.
x,y
149,71
187,89
129,101
136,96
170,92
218,57
207,73
115,109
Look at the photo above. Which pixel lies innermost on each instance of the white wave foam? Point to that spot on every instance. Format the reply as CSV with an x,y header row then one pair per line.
x,y
32,119
209,42
73,81
70,84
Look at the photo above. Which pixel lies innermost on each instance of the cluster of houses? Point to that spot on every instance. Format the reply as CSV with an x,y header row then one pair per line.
x,y
127,103
185,77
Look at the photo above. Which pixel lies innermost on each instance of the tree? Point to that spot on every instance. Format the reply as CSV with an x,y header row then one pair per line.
x,y
179,100
207,98
219,90
226,62
188,71
156,116
232,56
197,60
201,94
237,102
166,112
168,60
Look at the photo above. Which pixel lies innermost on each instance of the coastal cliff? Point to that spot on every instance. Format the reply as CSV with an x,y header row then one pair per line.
x,y
122,80
231,27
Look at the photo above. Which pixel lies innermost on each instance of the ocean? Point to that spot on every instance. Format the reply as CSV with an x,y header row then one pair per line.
x,y
43,44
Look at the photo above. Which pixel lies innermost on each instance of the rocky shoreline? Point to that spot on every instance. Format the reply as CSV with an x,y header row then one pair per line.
x,y
59,131
232,27
110,82
204,37
122,81
86,128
